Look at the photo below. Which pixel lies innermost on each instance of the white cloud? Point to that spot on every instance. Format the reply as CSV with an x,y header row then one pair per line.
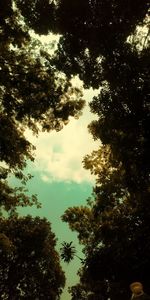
x,y
59,155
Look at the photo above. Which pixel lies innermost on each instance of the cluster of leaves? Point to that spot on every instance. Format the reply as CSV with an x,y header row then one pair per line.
x,y
11,198
67,251
100,43
30,267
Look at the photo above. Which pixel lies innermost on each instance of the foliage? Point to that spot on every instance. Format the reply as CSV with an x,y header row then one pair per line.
x,y
99,43
107,53
78,293
11,198
123,111
67,251
29,264
33,93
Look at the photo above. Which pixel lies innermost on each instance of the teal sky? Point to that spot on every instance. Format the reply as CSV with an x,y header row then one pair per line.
x,y
60,180
56,197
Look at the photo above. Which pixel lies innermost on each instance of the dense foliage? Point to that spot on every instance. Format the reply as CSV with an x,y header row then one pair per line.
x,y
110,51
30,267
34,94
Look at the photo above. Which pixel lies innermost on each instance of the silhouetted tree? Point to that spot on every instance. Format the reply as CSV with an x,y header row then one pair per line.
x,y
29,264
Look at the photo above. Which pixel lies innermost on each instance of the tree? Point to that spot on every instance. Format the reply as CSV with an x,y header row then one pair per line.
x,y
79,293
29,264
113,63
116,242
12,197
33,93
67,251
122,107
117,219
114,230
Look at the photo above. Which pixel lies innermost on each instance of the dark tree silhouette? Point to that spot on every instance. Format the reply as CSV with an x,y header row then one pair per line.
x,y
29,264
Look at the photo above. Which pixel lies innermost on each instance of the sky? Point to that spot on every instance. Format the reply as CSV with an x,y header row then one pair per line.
x,y
60,181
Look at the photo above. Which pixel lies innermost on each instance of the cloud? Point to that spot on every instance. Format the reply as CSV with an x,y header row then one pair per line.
x,y
59,155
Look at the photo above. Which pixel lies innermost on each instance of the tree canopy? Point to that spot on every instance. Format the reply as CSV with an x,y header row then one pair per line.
x,y
30,266
105,43
34,93
111,52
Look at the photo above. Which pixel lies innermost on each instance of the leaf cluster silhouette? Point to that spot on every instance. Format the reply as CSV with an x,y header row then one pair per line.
x,y
30,267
